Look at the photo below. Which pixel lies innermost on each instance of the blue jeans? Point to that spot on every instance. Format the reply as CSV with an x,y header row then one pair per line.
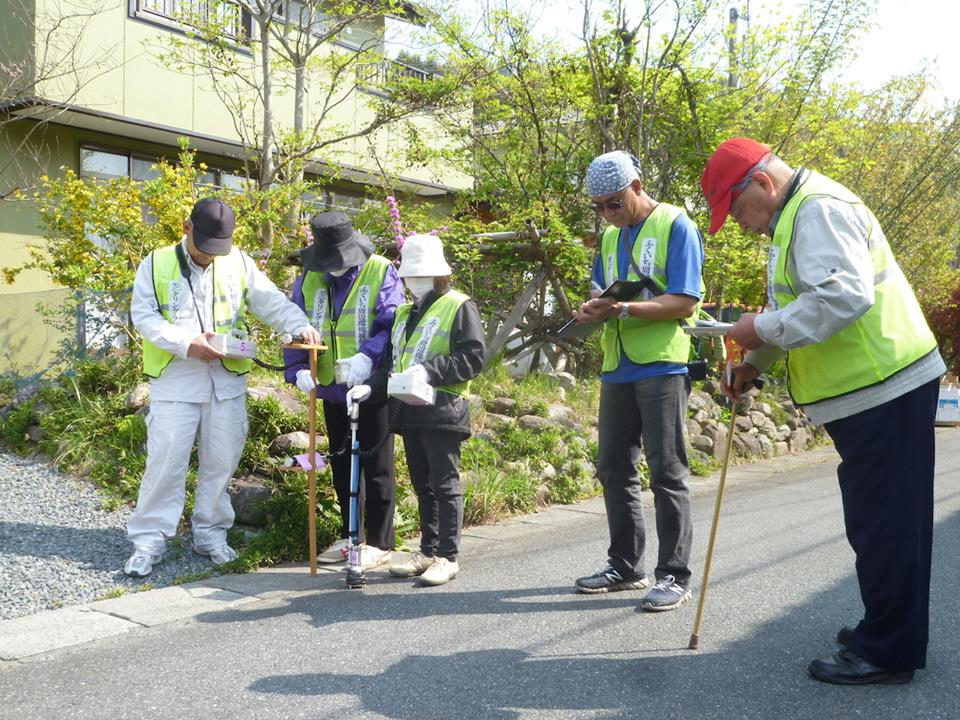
x,y
650,414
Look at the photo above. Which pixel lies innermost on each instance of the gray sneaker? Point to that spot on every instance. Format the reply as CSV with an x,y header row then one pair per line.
x,y
607,579
667,594
141,562
218,555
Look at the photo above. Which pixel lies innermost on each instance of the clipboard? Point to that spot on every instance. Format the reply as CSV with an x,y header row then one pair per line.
x,y
627,289
708,328
572,329
618,290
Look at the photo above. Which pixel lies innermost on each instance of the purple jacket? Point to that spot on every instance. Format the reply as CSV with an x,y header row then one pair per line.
x,y
391,295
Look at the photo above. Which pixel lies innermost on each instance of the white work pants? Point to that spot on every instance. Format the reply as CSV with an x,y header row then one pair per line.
x,y
171,430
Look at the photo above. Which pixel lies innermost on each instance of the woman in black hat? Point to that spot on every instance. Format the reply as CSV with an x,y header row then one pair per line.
x,y
350,296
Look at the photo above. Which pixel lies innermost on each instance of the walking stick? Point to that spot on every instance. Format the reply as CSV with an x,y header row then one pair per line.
x,y
695,636
312,351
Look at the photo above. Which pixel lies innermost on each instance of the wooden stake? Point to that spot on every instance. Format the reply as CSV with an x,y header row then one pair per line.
x,y
695,636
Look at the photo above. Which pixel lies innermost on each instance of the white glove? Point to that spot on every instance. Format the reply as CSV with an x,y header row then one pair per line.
x,y
304,381
360,368
417,372
358,393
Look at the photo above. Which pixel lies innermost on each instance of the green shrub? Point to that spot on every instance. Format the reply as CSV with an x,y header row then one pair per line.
x,y
13,428
266,420
701,465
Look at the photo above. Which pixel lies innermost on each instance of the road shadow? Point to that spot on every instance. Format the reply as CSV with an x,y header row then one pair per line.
x,y
761,674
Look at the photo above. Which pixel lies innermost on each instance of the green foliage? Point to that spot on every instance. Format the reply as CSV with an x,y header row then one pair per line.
x,y
13,428
266,421
701,465
286,536
115,592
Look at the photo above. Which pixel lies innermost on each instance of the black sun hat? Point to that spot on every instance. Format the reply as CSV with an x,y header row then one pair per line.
x,y
336,245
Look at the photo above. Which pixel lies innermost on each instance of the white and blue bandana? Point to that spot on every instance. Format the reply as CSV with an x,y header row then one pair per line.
x,y
611,172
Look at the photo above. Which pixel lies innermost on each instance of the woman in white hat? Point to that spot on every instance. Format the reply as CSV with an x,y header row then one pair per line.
x,y
439,337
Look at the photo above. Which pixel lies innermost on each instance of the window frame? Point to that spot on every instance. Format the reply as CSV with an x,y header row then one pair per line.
x,y
137,10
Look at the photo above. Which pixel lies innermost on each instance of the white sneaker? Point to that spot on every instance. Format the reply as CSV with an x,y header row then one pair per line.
x,y
440,572
219,555
141,562
413,566
372,557
336,553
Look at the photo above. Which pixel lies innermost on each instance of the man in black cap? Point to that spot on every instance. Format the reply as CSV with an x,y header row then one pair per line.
x,y
351,296
184,296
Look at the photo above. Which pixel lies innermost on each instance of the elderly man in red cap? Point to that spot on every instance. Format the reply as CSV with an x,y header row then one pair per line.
x,y
863,363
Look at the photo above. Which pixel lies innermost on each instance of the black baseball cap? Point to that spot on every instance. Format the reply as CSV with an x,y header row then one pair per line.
x,y
213,224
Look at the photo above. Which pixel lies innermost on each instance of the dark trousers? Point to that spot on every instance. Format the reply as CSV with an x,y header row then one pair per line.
x,y
378,488
650,413
886,482
433,457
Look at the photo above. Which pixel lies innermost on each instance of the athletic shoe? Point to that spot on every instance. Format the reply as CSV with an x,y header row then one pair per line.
x,y
441,571
141,562
218,555
667,594
373,557
607,579
413,566
336,553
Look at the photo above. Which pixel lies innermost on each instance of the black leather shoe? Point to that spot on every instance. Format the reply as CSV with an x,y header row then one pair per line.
x,y
847,668
844,635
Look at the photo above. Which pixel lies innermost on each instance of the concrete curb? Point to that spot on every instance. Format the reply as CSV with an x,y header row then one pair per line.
x,y
26,638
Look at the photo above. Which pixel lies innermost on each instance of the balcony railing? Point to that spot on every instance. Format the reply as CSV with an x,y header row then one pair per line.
x,y
381,73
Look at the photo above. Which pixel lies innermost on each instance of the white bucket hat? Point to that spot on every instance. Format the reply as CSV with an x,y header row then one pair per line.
x,y
422,256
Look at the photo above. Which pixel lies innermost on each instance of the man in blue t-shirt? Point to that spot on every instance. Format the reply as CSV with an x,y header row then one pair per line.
x,y
644,385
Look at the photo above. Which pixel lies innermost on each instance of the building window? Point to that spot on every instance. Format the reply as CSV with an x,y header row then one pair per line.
x,y
186,14
107,164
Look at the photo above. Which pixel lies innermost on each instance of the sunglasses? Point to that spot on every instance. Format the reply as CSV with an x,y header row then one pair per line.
x,y
599,207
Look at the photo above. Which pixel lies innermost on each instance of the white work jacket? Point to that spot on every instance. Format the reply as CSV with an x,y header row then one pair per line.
x,y
187,379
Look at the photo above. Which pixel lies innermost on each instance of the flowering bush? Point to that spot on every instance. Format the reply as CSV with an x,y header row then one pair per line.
x,y
945,323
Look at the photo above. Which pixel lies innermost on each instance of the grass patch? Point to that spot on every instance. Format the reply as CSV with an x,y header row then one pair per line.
x,y
114,592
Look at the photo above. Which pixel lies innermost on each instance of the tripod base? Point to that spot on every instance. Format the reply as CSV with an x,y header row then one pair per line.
x,y
355,577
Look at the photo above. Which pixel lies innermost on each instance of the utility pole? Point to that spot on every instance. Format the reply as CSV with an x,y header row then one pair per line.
x,y
732,59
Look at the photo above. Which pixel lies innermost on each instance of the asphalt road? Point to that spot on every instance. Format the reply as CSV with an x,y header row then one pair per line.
x,y
510,639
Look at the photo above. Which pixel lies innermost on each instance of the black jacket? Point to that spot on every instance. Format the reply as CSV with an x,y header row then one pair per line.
x,y
464,362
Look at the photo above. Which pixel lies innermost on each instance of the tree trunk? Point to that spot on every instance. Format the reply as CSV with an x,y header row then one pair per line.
x,y
268,148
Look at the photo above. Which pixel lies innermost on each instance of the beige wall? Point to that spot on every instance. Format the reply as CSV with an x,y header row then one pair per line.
x,y
124,75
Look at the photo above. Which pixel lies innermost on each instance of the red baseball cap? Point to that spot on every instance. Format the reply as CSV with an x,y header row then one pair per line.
x,y
725,168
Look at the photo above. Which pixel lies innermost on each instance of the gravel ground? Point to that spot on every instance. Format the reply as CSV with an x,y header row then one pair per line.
x,y
58,547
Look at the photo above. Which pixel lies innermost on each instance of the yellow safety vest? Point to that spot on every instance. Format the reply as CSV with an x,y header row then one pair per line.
x,y
171,290
891,335
430,338
643,341
343,336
